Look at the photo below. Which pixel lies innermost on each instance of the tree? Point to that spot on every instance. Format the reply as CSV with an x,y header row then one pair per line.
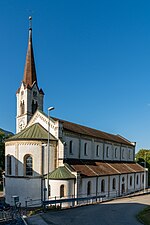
x,y
143,158
3,137
2,152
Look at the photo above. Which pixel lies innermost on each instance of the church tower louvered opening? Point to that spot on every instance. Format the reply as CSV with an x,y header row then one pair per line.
x,y
29,96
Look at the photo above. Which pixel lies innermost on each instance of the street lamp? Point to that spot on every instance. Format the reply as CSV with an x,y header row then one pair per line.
x,y
48,149
145,174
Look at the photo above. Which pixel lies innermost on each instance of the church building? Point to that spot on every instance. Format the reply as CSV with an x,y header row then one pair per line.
x,y
49,157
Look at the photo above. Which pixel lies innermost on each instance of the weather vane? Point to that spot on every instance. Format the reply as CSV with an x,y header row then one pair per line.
x,y
30,22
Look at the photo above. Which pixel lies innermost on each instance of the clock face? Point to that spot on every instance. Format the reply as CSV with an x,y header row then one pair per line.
x,y
21,124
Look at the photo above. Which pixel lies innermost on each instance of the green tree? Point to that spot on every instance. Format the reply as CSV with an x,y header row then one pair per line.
x,y
2,152
143,158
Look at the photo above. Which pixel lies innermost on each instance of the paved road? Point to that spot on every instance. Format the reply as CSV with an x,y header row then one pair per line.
x,y
117,212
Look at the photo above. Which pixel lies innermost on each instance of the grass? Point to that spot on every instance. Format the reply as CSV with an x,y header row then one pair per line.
x,y
144,216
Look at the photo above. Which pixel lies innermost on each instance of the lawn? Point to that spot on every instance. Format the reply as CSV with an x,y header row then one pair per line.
x,y
144,216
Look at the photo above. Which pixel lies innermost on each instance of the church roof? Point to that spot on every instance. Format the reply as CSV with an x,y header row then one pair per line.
x,y
89,168
61,173
87,131
34,132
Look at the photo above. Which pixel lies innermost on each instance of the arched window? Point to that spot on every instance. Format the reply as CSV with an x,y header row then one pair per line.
x,y
28,165
130,180
143,178
97,150
129,154
85,148
115,152
70,147
123,153
22,107
34,106
9,164
114,184
107,152
103,185
89,188
137,179
62,191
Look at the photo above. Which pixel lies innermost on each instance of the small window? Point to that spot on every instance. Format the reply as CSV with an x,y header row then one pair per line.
x,y
89,188
85,148
107,152
62,191
103,185
123,179
28,165
114,184
130,180
70,147
9,164
97,150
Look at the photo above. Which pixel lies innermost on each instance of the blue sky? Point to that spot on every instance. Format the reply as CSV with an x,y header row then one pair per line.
x,y
92,61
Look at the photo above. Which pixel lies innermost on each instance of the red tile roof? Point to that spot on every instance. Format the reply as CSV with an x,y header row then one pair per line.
x,y
79,129
92,168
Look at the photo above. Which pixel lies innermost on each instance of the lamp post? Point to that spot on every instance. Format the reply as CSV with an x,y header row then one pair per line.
x,y
48,150
145,173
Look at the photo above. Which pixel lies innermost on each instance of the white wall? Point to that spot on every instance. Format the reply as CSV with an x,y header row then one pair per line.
x,y
26,189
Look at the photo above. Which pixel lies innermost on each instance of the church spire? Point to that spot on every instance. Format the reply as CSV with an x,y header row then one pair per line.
x,y
29,70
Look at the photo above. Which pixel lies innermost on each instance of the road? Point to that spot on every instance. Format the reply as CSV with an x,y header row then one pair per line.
x,y
116,212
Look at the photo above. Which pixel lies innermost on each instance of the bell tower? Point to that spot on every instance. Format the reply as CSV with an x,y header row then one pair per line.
x,y
29,96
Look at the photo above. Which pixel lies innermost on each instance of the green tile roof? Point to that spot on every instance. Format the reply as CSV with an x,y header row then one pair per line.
x,y
61,173
34,132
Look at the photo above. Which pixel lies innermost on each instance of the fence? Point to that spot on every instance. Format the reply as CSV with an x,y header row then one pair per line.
x,y
82,199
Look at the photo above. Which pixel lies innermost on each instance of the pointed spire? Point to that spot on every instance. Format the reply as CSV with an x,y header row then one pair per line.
x,y
29,70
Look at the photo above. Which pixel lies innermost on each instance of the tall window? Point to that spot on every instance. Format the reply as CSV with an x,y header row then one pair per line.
x,y
97,150
103,185
123,153
130,180
137,179
143,178
114,184
89,188
107,152
115,152
28,165
62,191
70,147
85,148
9,164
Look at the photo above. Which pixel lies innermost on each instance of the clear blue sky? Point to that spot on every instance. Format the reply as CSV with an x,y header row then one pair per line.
x,y
92,60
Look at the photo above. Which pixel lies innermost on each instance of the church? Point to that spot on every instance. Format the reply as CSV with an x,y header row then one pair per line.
x,y
49,157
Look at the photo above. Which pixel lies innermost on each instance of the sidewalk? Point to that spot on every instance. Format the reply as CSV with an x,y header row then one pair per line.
x,y
35,220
